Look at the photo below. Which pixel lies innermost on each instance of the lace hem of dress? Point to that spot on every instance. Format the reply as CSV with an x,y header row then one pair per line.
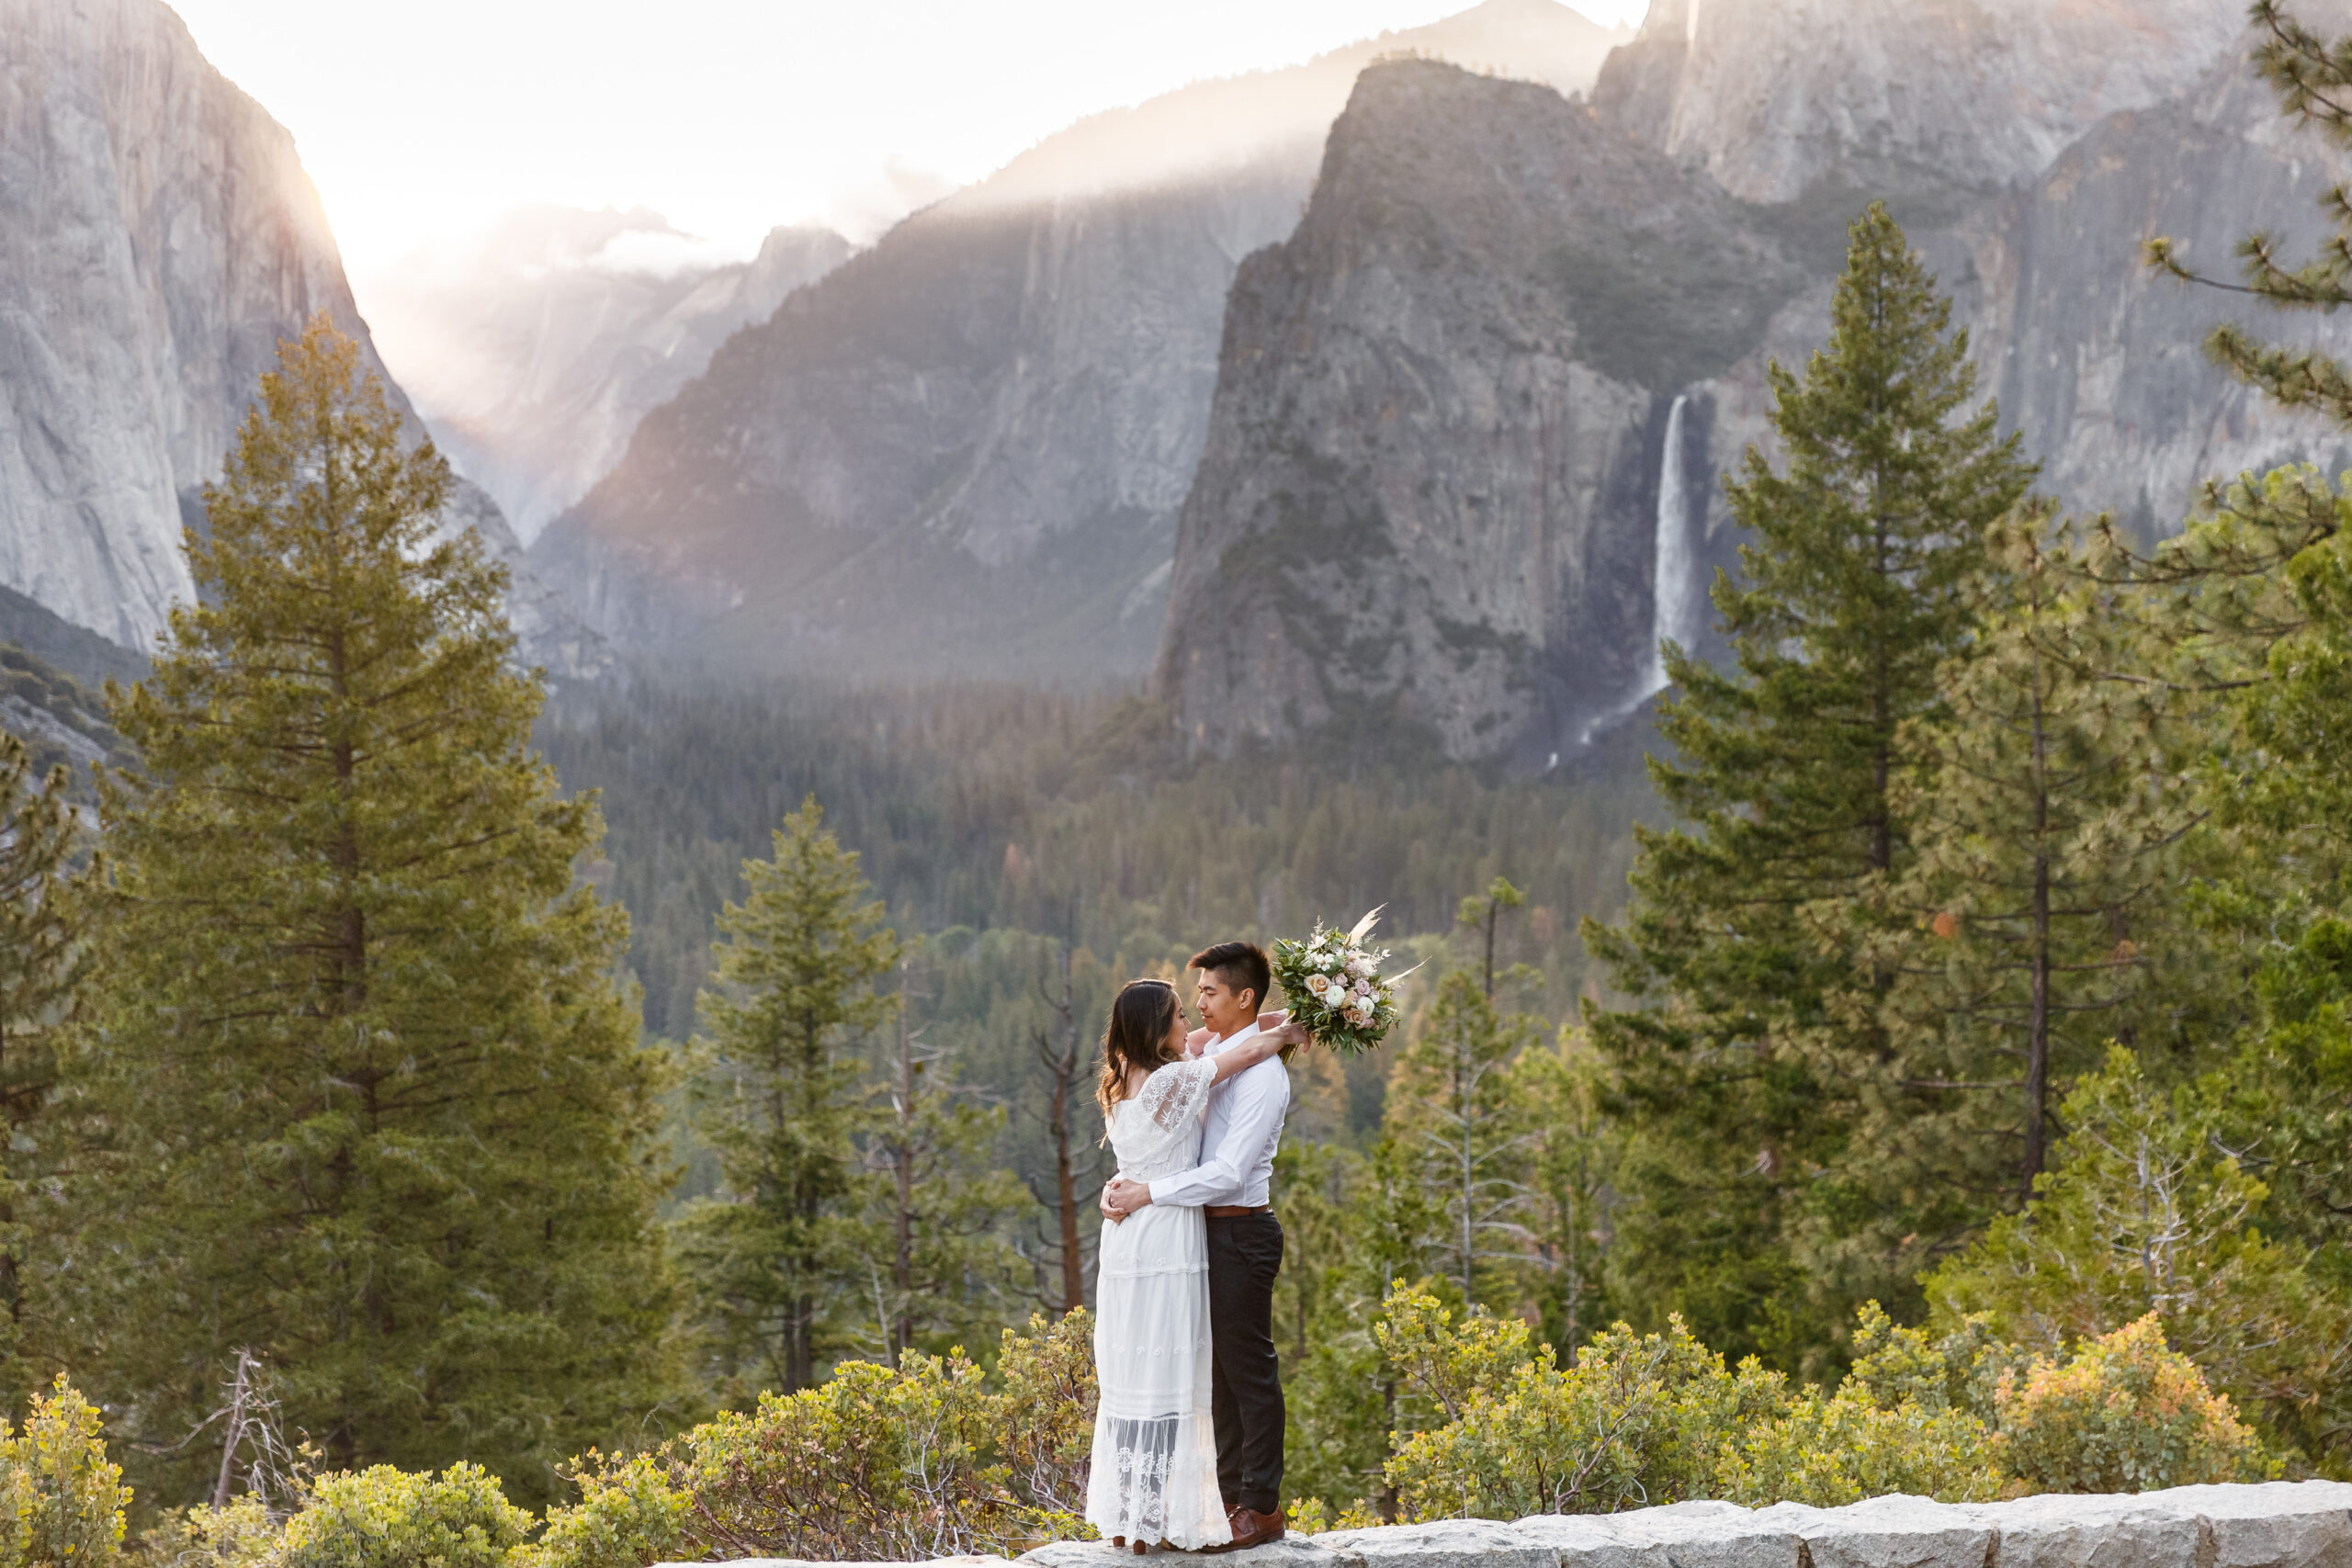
x,y
1146,1451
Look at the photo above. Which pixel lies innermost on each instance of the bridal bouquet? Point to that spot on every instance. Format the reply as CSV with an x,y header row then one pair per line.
x,y
1335,989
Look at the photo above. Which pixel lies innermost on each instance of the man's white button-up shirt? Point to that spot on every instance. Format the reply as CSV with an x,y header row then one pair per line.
x,y
1245,1127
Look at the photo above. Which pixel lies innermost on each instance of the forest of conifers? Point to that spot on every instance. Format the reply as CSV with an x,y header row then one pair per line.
x,y
1928,1068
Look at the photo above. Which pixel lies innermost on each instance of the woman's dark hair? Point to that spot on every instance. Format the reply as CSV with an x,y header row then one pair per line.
x,y
1141,1017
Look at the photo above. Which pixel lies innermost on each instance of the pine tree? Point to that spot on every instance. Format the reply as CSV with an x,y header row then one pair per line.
x,y
2034,925
1849,598
779,1258
40,963
937,1204
2148,1210
2259,590
2312,76
1454,1105
374,1108
1572,1161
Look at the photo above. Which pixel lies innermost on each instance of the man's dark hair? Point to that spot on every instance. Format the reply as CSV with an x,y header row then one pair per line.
x,y
1242,965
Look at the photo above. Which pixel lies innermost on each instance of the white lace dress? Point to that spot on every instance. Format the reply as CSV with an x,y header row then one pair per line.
x,y
1154,1475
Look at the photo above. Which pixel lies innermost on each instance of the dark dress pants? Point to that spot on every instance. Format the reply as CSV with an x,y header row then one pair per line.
x,y
1245,1254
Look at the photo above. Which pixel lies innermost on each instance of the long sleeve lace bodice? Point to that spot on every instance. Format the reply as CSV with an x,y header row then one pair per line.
x,y
1157,1131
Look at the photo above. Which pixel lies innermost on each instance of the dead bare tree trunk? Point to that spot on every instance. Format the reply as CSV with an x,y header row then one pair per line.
x,y
1064,1059
236,1429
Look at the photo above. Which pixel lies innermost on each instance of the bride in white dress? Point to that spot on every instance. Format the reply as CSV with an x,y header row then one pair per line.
x,y
1154,1476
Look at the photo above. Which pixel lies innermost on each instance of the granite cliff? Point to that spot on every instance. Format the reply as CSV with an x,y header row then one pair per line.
x,y
1782,99
1467,438
1432,478
533,355
158,238
963,451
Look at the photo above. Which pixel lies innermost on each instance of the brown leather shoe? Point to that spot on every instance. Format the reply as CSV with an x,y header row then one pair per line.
x,y
1251,1527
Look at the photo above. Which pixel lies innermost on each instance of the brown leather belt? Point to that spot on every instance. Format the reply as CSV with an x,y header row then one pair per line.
x,y
1235,1210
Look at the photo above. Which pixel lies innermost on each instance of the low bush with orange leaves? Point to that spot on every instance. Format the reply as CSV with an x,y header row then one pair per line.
x,y
2125,1413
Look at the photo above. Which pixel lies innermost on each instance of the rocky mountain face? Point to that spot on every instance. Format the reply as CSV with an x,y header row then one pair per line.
x,y
1463,473
533,355
157,238
963,451
1433,469
1780,100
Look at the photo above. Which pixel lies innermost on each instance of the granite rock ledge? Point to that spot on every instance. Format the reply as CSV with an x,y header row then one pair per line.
x,y
2279,1524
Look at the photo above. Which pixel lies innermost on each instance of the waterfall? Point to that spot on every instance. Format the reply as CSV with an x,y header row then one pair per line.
x,y
1674,589
1675,594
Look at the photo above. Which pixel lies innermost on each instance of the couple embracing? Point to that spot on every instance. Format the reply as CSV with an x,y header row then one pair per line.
x,y
1188,1438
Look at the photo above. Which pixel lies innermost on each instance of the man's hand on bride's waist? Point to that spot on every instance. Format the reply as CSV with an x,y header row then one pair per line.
x,y
1121,1197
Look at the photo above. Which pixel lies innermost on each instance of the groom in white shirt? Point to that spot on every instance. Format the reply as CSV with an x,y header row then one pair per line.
x,y
1232,1184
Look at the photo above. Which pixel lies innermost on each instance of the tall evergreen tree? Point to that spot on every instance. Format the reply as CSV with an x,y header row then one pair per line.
x,y
2260,610
374,1105
779,1256
40,959
2033,926
1849,598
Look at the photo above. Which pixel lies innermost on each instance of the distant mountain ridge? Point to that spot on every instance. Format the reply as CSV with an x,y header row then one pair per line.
x,y
533,355
158,238
964,450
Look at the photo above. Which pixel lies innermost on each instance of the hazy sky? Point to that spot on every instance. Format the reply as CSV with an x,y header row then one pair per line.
x,y
418,119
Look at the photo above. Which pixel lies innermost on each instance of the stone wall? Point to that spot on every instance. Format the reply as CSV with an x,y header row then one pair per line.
x,y
2280,1525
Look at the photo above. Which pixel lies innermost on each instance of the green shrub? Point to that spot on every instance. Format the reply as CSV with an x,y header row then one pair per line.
x,y
384,1517
1842,1449
2124,1414
629,1515
2146,1210
1044,1417
874,1464
1638,1420
1446,1366
240,1534
60,1501
1956,1371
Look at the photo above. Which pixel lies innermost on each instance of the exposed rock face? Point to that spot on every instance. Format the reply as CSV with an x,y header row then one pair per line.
x,y
2100,361
533,355
963,452
157,239
60,722
1432,472
1777,99
1353,540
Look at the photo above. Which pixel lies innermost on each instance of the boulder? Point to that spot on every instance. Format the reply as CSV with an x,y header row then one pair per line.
x,y
1679,1535
2279,1523
1445,1543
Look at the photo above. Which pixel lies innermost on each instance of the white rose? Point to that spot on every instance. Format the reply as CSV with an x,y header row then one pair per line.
x,y
1319,987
